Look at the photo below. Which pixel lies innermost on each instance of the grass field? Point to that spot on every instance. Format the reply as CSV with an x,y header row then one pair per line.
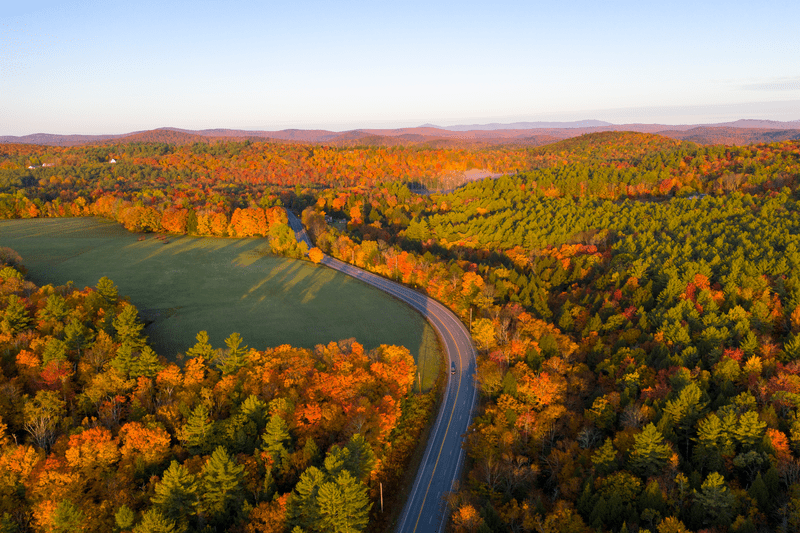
x,y
221,286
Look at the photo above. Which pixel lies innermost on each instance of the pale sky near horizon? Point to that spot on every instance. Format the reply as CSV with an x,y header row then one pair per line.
x,y
92,67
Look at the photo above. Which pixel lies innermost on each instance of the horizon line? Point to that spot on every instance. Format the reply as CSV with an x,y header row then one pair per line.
x,y
487,126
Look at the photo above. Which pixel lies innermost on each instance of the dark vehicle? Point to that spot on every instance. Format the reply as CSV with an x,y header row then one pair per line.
x,y
452,368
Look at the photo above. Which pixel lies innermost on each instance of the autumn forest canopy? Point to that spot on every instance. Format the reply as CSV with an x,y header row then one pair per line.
x,y
635,301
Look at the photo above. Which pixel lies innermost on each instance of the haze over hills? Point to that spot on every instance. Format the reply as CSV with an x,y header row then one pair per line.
x,y
745,131
524,125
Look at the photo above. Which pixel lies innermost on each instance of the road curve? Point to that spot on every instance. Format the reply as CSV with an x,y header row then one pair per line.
x,y
425,510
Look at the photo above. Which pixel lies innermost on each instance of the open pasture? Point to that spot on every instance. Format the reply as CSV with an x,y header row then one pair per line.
x,y
219,285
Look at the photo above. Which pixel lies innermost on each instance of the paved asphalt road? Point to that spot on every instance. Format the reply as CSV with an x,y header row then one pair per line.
x,y
425,510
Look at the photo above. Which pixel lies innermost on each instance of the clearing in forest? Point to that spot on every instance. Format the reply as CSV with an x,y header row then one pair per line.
x,y
220,285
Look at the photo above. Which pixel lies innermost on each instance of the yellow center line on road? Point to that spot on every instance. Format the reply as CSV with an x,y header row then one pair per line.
x,y
446,431
429,306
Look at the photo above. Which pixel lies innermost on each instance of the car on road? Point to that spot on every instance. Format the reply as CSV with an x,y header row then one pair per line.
x,y
452,367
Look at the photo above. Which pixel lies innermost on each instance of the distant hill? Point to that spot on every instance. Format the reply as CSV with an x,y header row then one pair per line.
x,y
162,135
733,135
607,126
51,139
516,134
751,123
525,125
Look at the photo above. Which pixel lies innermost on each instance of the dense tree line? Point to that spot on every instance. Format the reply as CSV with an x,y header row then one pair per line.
x,y
637,356
246,164
635,300
99,433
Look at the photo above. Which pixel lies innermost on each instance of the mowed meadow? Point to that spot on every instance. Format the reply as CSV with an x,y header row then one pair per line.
x,y
182,285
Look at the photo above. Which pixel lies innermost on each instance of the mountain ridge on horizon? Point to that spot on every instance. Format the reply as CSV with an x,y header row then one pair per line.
x,y
524,133
588,123
747,123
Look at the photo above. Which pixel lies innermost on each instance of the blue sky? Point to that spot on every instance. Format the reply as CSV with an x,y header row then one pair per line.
x,y
95,67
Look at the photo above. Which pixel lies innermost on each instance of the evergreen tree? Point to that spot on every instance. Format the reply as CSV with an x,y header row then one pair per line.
x,y
685,410
76,335
275,438
713,441
202,348
222,492
301,508
716,500
255,409
652,505
758,491
239,433
123,361
336,460
197,433
343,505
361,458
146,364
124,518
129,328
749,343
154,522
55,309
54,350
176,495
750,430
649,454
67,518
15,317
109,291
234,358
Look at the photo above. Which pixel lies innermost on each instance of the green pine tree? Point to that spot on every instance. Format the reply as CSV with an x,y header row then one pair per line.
x,y
716,500
239,433
336,460
15,317
222,491
714,440
123,361
154,522
234,358
109,291
758,491
301,508
749,343
197,434
67,518
146,364
649,454
361,458
76,335
55,309
54,350
343,505
124,518
202,348
176,495
256,410
129,328
605,458
750,430
685,410
276,437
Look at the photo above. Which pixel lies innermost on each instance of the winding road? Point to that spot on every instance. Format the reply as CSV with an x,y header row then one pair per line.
x,y
426,510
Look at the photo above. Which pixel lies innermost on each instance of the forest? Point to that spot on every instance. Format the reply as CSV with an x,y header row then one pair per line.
x,y
635,301
99,433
